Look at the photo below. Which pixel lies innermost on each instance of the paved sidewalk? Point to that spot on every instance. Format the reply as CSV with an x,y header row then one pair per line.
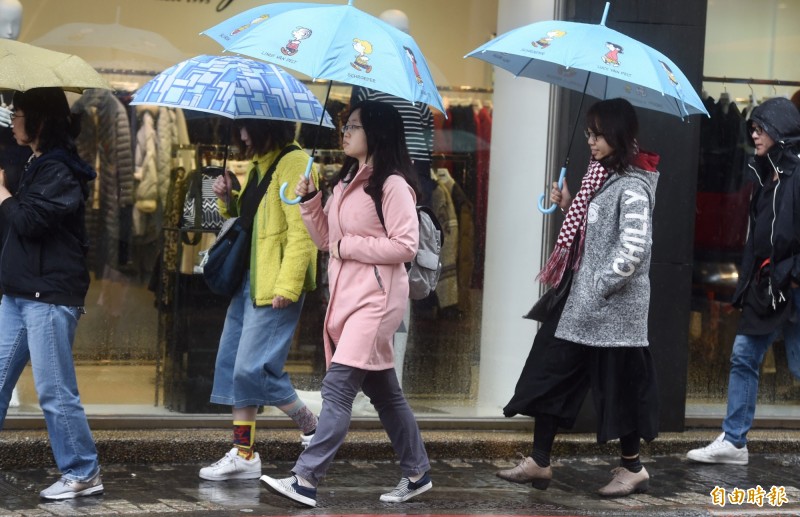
x,y
461,487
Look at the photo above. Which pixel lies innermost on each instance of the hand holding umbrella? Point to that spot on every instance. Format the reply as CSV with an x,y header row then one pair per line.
x,y
560,195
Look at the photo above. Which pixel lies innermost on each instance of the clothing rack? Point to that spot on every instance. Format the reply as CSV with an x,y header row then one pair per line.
x,y
740,80
469,89
463,161
120,71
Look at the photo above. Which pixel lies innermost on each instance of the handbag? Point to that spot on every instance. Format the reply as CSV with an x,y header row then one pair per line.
x,y
200,210
545,306
226,261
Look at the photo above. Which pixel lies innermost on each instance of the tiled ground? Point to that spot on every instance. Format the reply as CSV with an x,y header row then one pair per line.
x,y
461,487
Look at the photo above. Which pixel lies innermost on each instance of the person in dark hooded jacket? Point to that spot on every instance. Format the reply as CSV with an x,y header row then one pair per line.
x,y
768,291
44,280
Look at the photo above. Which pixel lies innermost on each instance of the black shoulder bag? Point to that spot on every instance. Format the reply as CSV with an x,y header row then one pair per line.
x,y
228,258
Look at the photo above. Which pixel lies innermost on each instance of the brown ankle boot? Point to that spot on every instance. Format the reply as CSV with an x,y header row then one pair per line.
x,y
528,471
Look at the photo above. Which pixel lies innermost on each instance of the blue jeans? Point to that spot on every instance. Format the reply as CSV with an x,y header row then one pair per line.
x,y
252,353
746,357
44,334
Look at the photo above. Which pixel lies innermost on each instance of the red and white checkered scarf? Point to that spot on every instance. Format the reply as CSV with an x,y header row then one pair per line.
x,y
563,254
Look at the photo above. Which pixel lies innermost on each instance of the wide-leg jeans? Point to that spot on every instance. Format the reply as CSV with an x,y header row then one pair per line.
x,y
44,333
255,342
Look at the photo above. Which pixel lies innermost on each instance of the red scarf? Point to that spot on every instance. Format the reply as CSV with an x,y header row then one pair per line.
x,y
575,220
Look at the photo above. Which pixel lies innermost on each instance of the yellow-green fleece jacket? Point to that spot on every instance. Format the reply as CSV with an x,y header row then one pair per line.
x,y
283,258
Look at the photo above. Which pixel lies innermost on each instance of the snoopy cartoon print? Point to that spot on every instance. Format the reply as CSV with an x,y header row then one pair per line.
x,y
363,49
668,70
545,41
411,57
612,56
248,25
298,35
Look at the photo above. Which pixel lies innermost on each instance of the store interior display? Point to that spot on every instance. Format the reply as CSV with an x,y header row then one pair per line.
x,y
145,244
724,187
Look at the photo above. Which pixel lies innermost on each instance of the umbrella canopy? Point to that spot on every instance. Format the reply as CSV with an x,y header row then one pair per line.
x,y
113,45
234,87
596,60
335,42
24,66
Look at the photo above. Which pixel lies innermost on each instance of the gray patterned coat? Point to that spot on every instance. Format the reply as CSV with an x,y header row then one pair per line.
x,y
610,294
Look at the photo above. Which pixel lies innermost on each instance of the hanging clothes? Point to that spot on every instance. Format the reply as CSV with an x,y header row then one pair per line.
x,y
105,143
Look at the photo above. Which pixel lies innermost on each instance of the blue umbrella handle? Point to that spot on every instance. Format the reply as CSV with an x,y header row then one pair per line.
x,y
286,184
552,208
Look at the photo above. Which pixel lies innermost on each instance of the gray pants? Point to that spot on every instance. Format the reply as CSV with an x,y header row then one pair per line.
x,y
339,389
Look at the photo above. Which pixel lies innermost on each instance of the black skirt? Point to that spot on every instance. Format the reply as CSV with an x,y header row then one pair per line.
x,y
558,374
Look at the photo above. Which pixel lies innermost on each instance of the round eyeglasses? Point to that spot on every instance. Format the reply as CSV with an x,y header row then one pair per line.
x,y
350,128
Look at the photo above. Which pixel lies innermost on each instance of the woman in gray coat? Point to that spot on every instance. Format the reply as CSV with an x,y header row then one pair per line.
x,y
596,335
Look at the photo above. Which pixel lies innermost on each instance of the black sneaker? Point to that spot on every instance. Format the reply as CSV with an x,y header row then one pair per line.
x,y
407,489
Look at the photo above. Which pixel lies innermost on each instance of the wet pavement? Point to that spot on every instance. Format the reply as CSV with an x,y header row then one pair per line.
x,y
461,487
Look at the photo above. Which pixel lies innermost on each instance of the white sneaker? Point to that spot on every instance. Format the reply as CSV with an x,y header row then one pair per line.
x,y
233,466
720,451
68,489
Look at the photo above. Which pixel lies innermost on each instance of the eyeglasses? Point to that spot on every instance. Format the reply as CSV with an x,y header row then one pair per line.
x,y
350,127
15,116
592,136
758,130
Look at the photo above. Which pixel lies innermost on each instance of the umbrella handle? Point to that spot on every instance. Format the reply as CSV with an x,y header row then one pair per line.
x,y
286,184
552,208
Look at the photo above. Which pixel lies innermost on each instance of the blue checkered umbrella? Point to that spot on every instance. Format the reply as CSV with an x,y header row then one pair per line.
x,y
233,87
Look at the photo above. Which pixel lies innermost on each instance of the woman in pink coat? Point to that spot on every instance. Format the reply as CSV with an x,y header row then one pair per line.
x,y
369,293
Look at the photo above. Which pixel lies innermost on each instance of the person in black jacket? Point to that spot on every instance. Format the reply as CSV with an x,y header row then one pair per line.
x,y
768,291
44,280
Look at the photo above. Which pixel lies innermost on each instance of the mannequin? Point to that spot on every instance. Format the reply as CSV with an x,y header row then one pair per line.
x,y
12,156
396,18
10,18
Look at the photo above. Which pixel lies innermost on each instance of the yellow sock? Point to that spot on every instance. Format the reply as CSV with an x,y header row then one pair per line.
x,y
244,435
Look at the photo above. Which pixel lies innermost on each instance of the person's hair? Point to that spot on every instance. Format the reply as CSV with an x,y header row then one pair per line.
x,y
386,145
796,99
265,135
48,118
616,120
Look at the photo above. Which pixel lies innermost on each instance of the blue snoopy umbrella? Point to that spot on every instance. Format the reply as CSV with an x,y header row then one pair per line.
x,y
336,42
233,87
597,61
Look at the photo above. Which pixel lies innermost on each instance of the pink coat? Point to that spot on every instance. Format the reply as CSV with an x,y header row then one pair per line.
x,y
369,284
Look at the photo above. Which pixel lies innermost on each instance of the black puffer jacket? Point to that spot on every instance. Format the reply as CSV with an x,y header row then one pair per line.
x,y
44,235
781,121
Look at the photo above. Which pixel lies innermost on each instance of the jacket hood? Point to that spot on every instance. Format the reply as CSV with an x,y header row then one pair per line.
x,y
646,161
780,119
82,170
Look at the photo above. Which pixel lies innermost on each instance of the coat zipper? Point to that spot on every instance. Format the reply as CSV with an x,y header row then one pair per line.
x,y
378,278
781,298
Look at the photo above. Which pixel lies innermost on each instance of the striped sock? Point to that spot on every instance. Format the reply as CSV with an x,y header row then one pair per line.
x,y
244,435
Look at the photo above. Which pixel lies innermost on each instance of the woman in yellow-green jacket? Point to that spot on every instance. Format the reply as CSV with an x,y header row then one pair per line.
x,y
264,312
